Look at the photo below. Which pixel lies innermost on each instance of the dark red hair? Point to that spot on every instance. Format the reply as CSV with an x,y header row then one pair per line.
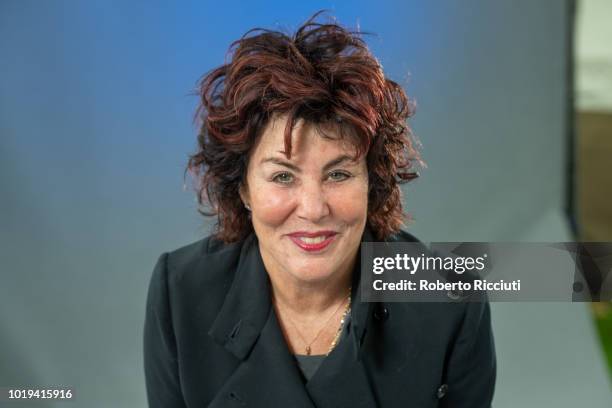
x,y
323,73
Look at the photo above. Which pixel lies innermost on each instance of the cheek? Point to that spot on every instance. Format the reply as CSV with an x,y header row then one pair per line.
x,y
351,204
273,205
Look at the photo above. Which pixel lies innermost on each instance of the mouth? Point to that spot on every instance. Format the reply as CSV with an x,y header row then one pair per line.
x,y
313,241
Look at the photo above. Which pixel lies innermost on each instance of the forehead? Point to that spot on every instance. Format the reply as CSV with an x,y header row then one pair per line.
x,y
308,140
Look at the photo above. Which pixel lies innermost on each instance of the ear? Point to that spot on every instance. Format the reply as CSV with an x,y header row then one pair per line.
x,y
243,190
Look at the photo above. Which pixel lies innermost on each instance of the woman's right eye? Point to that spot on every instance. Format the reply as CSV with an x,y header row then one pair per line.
x,y
283,178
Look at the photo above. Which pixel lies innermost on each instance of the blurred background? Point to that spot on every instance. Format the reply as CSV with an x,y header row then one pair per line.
x,y
514,112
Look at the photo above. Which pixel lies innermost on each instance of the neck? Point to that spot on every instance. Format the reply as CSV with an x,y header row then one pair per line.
x,y
307,298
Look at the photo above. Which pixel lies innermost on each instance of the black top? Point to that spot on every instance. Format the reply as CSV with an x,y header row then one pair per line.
x,y
210,340
308,364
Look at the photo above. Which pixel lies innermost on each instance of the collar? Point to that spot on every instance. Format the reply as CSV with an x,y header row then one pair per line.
x,y
248,303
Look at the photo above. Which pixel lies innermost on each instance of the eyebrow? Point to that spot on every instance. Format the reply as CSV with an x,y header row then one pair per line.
x,y
331,163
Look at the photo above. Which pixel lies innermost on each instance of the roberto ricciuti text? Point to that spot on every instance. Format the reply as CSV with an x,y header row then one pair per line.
x,y
425,285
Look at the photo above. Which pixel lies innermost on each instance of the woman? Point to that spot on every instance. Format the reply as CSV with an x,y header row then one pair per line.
x,y
302,148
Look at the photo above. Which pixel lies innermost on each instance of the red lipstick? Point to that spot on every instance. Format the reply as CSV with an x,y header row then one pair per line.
x,y
313,241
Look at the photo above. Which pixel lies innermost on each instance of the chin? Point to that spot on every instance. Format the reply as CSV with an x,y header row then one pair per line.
x,y
313,273
314,267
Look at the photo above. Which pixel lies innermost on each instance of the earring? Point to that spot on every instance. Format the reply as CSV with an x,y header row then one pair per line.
x,y
247,207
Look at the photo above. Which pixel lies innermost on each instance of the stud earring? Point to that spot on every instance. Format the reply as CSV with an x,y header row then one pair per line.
x,y
248,207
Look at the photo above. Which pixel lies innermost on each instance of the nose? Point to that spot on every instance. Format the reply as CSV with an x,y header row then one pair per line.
x,y
313,204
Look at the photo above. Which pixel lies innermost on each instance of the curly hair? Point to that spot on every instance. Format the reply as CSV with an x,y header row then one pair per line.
x,y
323,73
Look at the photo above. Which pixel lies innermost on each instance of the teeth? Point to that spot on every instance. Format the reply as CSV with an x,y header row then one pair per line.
x,y
313,240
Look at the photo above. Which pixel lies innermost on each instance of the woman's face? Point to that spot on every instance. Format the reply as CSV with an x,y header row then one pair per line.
x,y
308,212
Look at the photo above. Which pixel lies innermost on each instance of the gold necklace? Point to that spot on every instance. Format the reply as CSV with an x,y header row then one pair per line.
x,y
308,348
342,321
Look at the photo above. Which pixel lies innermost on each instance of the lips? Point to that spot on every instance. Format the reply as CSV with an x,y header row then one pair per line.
x,y
313,241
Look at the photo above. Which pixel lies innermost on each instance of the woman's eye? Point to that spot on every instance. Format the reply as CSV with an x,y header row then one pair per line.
x,y
338,175
283,178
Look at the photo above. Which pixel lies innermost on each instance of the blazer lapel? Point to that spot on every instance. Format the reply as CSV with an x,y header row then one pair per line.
x,y
341,380
267,378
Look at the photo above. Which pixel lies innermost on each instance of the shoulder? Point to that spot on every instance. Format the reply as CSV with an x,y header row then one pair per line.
x,y
207,259
195,278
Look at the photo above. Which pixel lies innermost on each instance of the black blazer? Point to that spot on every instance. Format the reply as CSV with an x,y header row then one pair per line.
x,y
211,339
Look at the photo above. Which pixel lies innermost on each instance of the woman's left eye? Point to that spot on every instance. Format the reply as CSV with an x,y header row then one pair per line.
x,y
339,175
